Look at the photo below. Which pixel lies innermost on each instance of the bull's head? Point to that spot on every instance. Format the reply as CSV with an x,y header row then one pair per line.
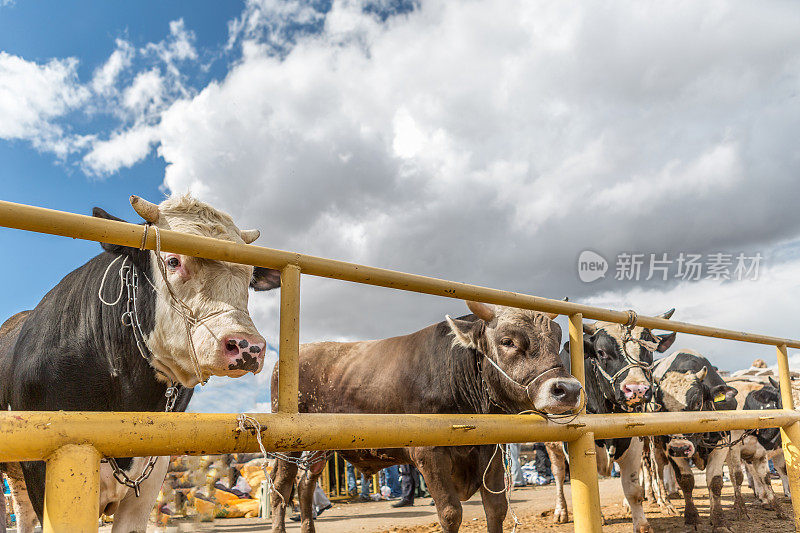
x,y
767,397
212,294
524,345
622,355
687,391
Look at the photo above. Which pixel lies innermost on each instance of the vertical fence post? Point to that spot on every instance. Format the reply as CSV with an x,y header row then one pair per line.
x,y
790,435
582,455
72,490
289,349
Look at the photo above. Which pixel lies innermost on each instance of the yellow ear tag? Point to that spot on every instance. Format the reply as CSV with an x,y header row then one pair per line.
x,y
719,397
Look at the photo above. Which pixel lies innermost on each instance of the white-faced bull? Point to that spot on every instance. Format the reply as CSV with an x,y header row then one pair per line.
x,y
498,360
618,361
121,331
687,381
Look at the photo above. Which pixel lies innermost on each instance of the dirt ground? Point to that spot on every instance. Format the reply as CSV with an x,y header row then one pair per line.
x,y
532,505
618,520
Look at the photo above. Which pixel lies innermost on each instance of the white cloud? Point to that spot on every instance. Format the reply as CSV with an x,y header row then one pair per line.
x,y
105,77
32,95
176,48
145,93
121,150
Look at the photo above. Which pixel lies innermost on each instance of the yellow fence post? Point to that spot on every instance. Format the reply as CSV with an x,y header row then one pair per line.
x,y
72,490
289,350
790,435
582,455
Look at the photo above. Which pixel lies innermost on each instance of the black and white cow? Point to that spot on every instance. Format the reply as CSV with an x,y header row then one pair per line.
x,y
688,382
76,352
617,366
757,449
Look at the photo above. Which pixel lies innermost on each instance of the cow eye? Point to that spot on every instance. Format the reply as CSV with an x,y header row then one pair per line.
x,y
507,342
173,262
602,354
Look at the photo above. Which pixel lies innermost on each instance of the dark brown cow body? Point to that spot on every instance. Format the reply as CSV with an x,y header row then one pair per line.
x,y
443,368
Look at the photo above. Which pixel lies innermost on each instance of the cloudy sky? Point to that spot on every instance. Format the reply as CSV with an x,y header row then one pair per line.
x,y
482,141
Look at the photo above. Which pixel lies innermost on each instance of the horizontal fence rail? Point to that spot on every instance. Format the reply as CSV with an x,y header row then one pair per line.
x,y
30,435
53,222
73,442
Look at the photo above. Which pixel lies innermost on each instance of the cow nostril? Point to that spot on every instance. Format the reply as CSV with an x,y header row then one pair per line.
x,y
232,346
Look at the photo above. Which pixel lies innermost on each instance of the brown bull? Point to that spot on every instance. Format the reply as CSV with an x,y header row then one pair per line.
x,y
499,360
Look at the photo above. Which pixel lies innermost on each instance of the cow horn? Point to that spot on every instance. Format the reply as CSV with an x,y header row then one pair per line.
x,y
553,316
249,235
667,315
483,311
589,329
701,373
147,210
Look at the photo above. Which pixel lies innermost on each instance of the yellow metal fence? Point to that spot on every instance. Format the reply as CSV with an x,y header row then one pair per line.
x,y
73,443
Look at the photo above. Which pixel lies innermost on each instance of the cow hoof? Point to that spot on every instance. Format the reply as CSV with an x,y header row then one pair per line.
x,y
561,516
645,528
668,509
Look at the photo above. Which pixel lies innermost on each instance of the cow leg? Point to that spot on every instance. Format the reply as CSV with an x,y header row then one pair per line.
x,y
780,465
26,516
737,476
436,466
761,473
670,480
282,481
629,465
646,477
714,481
132,514
691,518
495,506
305,496
555,451
661,468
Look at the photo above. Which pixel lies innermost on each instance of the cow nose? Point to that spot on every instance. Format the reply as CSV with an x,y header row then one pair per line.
x,y
635,391
681,450
244,351
565,391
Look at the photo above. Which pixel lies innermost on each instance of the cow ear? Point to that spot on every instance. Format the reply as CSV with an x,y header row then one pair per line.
x,y
464,332
113,248
665,341
723,393
774,383
588,348
265,279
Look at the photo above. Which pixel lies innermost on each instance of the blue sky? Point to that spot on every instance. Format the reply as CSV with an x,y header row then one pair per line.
x,y
488,141
36,31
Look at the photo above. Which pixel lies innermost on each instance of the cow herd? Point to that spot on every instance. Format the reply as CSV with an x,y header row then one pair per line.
x,y
136,330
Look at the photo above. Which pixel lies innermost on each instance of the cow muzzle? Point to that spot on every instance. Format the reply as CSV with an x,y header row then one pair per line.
x,y
244,352
558,396
680,448
635,393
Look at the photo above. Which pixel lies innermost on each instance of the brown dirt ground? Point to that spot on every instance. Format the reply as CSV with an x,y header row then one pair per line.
x,y
617,520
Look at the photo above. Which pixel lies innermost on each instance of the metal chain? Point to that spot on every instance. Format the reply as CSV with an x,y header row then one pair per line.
x,y
251,425
120,475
